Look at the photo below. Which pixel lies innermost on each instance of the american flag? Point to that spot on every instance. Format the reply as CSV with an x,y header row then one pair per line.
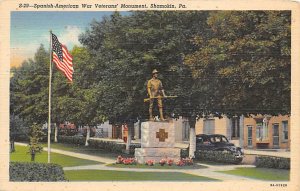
x,y
62,58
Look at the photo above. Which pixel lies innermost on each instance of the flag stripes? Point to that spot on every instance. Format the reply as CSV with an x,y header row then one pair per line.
x,y
62,58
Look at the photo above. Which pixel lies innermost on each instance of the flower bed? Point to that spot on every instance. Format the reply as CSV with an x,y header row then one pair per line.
x,y
126,161
150,162
185,162
162,162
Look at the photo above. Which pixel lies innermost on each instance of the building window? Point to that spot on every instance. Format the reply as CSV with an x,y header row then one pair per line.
x,y
185,130
261,130
235,127
285,130
275,135
249,127
209,126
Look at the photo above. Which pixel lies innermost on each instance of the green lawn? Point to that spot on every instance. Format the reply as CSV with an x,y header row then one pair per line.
x,y
21,155
261,173
156,166
107,175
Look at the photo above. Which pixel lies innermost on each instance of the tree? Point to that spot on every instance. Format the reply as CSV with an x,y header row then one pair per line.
x,y
243,66
29,89
36,135
18,130
246,60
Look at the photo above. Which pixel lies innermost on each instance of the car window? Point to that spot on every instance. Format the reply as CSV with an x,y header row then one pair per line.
x,y
218,139
206,140
224,139
200,140
212,139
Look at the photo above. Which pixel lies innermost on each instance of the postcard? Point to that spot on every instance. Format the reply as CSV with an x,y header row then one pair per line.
x,y
149,95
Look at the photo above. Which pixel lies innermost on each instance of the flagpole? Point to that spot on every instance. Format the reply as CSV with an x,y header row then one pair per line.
x,y
49,107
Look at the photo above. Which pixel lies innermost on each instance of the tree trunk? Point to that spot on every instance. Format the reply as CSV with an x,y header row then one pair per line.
x,y
128,143
88,133
55,132
192,148
32,155
12,146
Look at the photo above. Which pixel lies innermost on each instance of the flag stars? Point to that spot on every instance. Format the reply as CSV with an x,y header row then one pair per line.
x,y
56,46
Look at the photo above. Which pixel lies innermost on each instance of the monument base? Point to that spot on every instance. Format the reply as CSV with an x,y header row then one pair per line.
x,y
157,142
156,154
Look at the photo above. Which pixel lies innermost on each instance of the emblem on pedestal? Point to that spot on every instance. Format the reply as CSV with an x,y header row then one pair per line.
x,y
161,135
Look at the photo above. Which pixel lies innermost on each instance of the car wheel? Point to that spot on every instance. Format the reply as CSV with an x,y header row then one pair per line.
x,y
238,160
238,157
239,153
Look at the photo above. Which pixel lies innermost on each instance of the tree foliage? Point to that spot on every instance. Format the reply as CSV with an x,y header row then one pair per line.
x,y
244,66
29,88
36,135
126,49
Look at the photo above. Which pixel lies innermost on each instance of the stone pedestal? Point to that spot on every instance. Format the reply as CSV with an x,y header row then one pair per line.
x,y
157,142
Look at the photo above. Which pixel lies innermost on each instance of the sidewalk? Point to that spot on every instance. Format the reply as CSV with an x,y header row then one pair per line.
x,y
285,154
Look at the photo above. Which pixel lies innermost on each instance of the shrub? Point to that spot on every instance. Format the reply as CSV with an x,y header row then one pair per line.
x,y
184,153
112,146
272,162
35,172
76,140
216,156
109,146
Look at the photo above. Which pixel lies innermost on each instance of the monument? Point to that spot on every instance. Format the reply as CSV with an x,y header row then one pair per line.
x,y
157,137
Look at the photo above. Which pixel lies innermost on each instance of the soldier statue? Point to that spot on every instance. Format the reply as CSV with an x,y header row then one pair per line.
x,y
155,91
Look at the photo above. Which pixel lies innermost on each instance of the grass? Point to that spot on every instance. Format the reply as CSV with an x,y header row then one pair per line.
x,y
107,175
156,166
21,155
261,173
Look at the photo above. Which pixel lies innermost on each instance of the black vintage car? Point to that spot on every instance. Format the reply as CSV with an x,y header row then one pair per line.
x,y
217,142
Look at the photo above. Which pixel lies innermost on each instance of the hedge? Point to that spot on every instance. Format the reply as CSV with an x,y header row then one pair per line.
x,y
216,156
35,172
109,146
184,153
272,162
72,140
112,146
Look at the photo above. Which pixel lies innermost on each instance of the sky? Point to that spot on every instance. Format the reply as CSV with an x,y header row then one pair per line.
x,y
30,29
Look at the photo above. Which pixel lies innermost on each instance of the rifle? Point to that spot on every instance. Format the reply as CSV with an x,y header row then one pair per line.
x,y
159,97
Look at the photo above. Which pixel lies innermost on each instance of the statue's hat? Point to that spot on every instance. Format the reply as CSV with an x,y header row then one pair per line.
x,y
154,71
